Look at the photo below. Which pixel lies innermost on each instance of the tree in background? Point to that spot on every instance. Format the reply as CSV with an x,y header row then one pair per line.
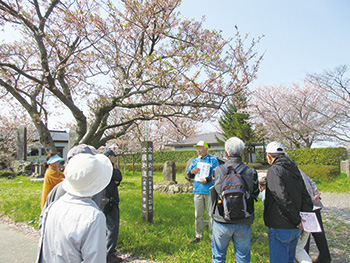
x,y
134,60
297,116
334,85
8,133
160,132
300,115
235,122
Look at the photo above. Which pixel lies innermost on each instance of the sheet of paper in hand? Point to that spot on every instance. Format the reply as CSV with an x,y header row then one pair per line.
x,y
311,224
204,170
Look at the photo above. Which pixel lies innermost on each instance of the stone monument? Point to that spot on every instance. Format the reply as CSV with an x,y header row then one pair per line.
x,y
169,171
21,144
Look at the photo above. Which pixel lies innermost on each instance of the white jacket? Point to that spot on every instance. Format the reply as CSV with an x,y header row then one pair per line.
x,y
74,230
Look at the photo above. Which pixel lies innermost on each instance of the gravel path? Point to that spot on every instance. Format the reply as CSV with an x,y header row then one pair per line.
x,y
18,242
338,205
336,221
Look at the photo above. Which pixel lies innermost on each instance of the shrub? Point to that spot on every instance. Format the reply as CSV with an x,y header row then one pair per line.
x,y
323,173
6,173
181,167
255,165
321,156
176,156
128,166
157,167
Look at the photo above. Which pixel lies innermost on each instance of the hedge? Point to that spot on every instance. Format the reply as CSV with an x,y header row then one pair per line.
x,y
320,156
162,157
6,173
324,173
157,167
318,163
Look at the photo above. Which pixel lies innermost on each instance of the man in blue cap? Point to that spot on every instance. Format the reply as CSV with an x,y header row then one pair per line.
x,y
201,170
110,206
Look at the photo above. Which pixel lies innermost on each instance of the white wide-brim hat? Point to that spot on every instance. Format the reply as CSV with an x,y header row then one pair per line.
x,y
87,174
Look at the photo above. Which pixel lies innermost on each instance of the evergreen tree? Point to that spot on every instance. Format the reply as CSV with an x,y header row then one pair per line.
x,y
234,122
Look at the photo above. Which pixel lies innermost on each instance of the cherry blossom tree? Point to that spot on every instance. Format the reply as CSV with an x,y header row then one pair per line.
x,y
334,85
114,65
160,132
8,133
297,115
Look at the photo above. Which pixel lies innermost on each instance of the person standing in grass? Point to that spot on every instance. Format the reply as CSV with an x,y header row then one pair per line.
x,y
201,169
286,197
52,176
110,204
57,192
238,230
73,227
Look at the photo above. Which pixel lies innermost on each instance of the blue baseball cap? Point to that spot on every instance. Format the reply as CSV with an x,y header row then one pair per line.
x,y
54,159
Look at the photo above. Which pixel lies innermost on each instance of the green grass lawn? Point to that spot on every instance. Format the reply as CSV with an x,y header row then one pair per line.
x,y
167,239
341,184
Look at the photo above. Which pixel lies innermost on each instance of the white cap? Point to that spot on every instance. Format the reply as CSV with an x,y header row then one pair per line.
x,y
274,147
87,174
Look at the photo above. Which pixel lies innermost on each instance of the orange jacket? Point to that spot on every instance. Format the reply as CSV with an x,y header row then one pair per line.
x,y
51,178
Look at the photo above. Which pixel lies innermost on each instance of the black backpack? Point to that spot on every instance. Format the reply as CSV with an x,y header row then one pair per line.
x,y
232,203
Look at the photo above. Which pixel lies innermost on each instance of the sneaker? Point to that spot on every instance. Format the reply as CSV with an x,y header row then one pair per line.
x,y
196,240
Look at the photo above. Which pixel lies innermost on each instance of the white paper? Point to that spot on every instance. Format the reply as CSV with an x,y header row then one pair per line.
x,y
204,171
311,224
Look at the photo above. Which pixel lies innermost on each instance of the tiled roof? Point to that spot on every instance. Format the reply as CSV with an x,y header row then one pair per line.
x,y
57,136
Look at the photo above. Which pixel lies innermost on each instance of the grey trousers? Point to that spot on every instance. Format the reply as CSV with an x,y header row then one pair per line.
x,y
202,202
113,219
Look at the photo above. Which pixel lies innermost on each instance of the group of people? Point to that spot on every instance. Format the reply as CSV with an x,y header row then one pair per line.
x,y
80,206
79,221
287,191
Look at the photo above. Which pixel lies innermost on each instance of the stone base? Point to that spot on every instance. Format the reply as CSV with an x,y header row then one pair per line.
x,y
173,187
37,179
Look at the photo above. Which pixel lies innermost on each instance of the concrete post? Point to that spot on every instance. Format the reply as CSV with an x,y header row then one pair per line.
x,y
21,144
345,167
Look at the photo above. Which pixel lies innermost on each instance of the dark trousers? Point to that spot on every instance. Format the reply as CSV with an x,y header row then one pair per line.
x,y
321,241
112,230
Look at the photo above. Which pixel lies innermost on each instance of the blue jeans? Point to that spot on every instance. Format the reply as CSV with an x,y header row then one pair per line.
x,y
282,244
240,235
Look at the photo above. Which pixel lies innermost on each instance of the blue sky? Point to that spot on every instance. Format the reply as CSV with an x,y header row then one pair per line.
x,y
301,36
